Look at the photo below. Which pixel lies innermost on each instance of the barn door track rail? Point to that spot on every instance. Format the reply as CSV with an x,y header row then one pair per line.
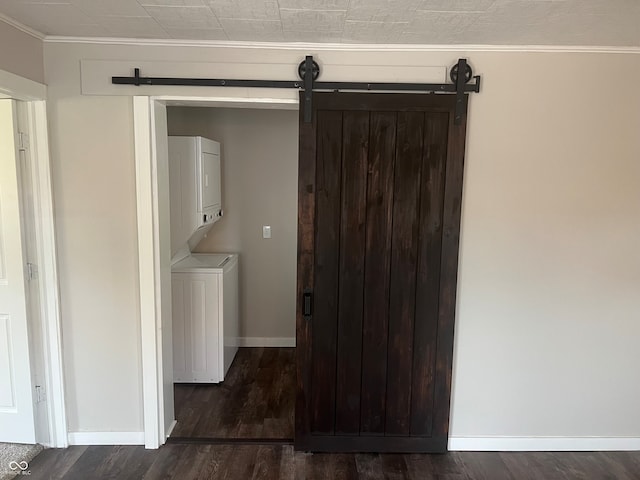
x,y
309,71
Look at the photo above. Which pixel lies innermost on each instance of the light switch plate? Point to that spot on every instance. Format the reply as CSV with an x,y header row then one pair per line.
x,y
266,231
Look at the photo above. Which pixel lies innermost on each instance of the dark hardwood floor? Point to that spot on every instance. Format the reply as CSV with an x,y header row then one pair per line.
x,y
256,400
253,462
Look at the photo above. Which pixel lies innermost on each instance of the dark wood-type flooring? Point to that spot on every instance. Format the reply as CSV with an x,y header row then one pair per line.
x,y
256,400
253,462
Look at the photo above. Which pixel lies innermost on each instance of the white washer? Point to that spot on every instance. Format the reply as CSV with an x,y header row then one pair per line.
x,y
205,308
218,262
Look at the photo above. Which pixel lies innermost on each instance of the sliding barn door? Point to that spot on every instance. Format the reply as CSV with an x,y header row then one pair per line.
x,y
380,187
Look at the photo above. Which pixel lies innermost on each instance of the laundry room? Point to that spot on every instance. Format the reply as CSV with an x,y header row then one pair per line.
x,y
233,270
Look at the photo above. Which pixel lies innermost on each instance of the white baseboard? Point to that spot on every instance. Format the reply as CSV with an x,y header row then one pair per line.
x,y
543,444
266,341
170,429
106,438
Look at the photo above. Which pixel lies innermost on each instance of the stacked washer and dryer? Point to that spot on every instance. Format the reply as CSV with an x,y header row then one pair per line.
x,y
204,286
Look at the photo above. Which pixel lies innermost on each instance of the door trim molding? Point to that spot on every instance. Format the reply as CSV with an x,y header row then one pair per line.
x,y
20,88
47,260
148,271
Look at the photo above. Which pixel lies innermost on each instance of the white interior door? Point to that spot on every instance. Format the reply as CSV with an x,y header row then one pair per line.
x,y
16,400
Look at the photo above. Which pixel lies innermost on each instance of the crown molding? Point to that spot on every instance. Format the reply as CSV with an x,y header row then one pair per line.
x,y
22,27
341,46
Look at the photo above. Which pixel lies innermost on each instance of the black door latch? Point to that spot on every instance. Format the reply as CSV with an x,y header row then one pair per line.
x,y
307,304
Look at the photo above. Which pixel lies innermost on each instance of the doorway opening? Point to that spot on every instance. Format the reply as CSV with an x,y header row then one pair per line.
x,y
410,150
256,399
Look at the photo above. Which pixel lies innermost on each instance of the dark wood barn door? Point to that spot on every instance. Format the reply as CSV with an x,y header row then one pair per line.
x,y
380,187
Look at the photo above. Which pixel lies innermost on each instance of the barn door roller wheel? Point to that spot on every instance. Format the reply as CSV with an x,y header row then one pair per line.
x,y
453,74
315,70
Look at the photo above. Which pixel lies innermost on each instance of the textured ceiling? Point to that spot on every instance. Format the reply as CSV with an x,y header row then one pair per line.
x,y
490,22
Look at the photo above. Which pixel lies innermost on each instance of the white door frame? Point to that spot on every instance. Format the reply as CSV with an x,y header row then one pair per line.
x,y
34,93
150,264
148,272
20,88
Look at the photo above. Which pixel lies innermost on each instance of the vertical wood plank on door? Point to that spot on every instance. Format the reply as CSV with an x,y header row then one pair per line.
x,y
428,275
325,309
378,254
306,229
404,252
451,215
352,247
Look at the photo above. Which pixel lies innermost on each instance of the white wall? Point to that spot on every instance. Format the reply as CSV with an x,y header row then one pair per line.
x,y
93,172
548,310
260,175
548,316
21,53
